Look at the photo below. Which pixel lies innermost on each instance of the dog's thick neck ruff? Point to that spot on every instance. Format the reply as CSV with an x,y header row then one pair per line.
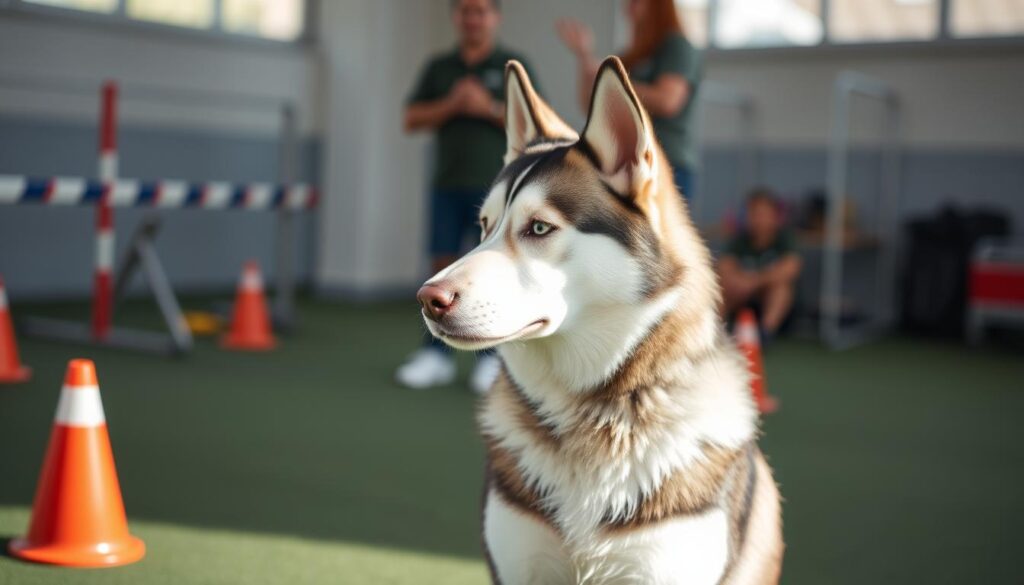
x,y
668,433
610,343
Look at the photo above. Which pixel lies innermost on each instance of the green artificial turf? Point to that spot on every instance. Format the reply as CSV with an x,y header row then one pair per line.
x,y
900,462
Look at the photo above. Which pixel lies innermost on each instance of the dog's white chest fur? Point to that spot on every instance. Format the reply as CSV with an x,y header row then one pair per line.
x,y
690,550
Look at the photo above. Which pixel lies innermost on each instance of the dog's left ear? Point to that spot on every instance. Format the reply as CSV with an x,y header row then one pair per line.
x,y
618,132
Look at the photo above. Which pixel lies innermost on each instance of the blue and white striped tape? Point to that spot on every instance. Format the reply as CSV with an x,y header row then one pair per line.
x,y
167,194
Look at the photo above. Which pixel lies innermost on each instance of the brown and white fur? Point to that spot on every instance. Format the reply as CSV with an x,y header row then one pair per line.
x,y
621,436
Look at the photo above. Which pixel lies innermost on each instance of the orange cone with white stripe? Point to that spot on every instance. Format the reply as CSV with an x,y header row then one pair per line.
x,y
78,518
11,368
749,342
250,322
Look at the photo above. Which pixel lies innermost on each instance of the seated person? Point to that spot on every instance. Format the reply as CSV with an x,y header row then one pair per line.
x,y
759,268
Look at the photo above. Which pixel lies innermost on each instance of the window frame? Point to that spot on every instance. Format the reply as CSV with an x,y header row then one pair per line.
x,y
944,39
119,18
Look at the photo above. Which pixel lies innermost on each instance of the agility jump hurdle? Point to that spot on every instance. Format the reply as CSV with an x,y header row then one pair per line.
x,y
109,191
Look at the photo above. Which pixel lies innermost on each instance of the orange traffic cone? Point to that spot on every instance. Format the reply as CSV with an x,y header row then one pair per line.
x,y
749,342
11,369
78,517
250,321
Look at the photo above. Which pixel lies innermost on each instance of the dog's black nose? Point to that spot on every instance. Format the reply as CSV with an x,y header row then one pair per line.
x,y
437,300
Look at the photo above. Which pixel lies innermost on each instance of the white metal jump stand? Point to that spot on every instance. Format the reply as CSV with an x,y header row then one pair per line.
x,y
110,191
834,331
140,254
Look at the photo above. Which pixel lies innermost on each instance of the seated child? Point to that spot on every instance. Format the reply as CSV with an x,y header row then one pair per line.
x,y
760,267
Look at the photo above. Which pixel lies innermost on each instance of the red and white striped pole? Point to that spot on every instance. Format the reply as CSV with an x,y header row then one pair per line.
x,y
102,297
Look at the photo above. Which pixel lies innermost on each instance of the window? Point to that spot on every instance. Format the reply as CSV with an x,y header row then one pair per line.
x,y
986,18
279,20
694,14
883,20
767,23
190,13
88,5
272,19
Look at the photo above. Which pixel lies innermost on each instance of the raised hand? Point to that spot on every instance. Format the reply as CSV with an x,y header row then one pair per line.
x,y
576,36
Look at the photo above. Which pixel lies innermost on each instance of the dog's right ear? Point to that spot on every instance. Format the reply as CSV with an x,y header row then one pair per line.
x,y
619,133
527,116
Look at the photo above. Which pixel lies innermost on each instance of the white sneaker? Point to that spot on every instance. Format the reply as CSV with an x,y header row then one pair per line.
x,y
426,368
485,373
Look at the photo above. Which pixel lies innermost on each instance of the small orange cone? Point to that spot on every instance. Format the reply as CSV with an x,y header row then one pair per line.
x,y
11,369
749,342
250,320
78,517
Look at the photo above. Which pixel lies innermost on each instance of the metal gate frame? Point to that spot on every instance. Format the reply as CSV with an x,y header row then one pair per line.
x,y
850,85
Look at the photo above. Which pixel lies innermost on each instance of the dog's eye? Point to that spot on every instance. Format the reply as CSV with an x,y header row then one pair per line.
x,y
540,229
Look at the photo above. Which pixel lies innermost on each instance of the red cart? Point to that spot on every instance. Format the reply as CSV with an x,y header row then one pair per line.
x,y
996,288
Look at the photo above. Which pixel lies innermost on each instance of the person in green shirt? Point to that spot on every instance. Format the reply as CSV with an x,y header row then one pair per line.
x,y
760,267
458,96
666,72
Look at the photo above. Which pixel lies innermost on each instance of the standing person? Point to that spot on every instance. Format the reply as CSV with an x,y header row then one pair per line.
x,y
665,70
459,97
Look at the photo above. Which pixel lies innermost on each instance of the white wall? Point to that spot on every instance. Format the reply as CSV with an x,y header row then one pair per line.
x,y
952,98
76,52
962,123
371,223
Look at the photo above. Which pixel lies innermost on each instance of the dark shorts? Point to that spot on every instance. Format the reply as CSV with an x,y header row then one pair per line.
x,y
454,216
684,178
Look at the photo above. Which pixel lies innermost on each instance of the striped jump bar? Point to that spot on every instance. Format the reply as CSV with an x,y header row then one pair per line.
x,y
161,194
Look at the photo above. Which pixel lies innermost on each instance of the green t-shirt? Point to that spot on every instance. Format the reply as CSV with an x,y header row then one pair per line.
x,y
755,259
675,133
469,150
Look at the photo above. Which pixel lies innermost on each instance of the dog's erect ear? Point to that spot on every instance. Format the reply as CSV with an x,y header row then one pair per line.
x,y
618,132
527,116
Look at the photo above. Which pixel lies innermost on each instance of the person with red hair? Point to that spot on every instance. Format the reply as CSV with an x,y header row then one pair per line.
x,y
666,73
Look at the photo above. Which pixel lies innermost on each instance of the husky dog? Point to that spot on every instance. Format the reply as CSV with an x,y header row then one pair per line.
x,y
621,435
